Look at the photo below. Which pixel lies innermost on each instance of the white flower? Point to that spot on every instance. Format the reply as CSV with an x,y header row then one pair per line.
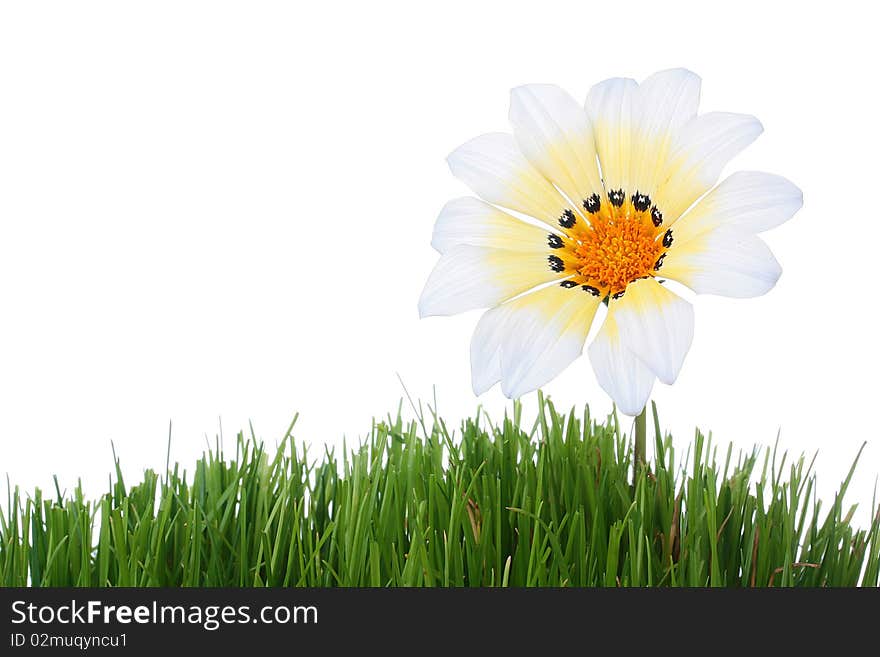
x,y
619,196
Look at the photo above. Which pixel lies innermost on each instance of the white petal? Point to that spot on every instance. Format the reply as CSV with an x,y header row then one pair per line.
x,y
724,261
493,166
472,221
656,325
624,377
468,277
554,133
702,149
544,332
750,201
666,101
612,107
486,348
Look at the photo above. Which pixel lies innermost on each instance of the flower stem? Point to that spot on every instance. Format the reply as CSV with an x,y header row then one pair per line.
x,y
640,442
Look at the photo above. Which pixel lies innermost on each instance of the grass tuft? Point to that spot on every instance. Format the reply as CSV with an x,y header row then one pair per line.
x,y
495,505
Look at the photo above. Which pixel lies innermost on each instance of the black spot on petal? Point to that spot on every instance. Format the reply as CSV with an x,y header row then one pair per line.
x,y
568,284
617,197
617,295
641,202
656,217
567,220
556,263
592,290
667,238
659,262
592,204
555,241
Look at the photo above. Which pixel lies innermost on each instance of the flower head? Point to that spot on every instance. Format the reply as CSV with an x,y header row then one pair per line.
x,y
611,200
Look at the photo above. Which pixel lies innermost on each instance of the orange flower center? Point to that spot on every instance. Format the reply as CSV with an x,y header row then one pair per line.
x,y
623,242
612,254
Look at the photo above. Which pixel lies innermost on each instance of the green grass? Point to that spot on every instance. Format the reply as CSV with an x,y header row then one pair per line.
x,y
512,504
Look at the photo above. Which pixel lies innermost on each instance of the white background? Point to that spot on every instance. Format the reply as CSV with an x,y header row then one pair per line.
x,y
223,211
